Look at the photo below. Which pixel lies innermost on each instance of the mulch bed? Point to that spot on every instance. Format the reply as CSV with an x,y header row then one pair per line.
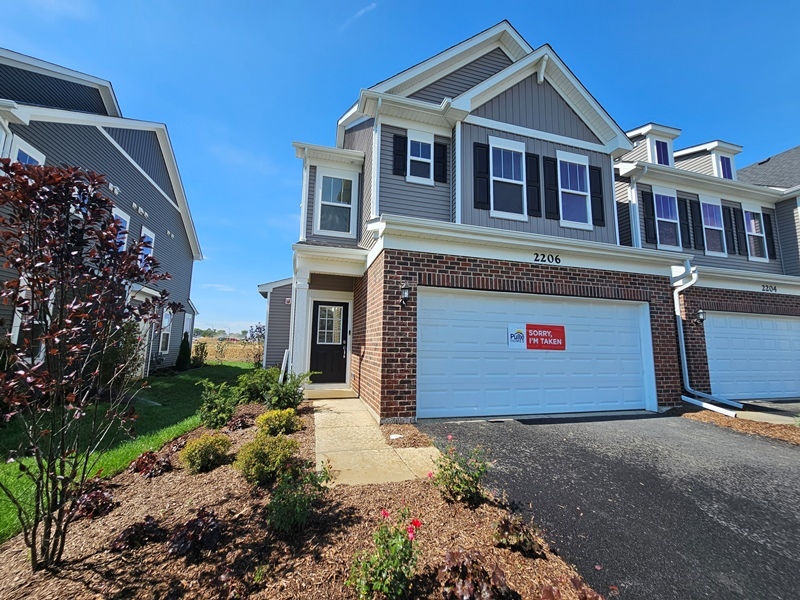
x,y
252,561
412,437
787,433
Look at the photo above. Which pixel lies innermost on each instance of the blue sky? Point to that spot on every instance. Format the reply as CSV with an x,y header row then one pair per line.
x,y
236,82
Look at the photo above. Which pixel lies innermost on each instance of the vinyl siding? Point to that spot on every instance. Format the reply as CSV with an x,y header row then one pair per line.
x,y
472,216
359,137
639,152
621,185
787,215
732,261
144,148
329,240
536,106
468,76
86,147
399,197
6,311
280,315
698,162
331,283
27,87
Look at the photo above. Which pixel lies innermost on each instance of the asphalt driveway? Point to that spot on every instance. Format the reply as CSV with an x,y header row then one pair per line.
x,y
659,507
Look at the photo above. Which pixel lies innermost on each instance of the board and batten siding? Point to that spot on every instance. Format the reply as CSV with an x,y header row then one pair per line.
x,y
144,148
465,78
639,151
38,89
787,216
400,197
472,216
536,106
327,240
732,261
86,147
359,137
698,162
621,185
280,314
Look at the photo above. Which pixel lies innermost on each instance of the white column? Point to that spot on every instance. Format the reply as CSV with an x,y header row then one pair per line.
x,y
299,359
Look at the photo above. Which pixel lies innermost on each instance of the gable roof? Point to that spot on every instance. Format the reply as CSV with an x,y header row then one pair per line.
x,y
41,67
780,170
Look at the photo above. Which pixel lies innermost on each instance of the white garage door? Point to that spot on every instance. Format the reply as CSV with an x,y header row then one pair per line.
x,y
753,356
465,366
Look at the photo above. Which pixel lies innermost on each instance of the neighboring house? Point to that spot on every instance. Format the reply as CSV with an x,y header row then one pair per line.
x,y
462,250
55,116
279,315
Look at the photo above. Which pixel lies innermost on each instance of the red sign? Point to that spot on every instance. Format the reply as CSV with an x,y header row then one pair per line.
x,y
545,337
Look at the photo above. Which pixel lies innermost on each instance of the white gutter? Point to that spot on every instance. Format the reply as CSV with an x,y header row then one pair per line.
x,y
707,406
266,334
692,272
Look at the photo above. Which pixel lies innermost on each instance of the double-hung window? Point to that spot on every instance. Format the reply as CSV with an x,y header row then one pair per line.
x,y
335,210
122,232
420,157
150,238
667,227
22,152
573,190
713,228
507,168
166,329
756,239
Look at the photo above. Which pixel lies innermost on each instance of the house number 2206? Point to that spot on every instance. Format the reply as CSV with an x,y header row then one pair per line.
x,y
546,258
769,288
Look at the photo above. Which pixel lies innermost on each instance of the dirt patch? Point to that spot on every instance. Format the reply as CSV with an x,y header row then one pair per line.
x,y
787,433
252,561
411,436
227,351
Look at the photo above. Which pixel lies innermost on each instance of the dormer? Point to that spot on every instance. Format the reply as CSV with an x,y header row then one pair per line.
x,y
652,143
715,158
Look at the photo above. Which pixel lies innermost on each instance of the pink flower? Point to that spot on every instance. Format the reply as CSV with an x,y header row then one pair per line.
x,y
430,474
384,513
449,438
410,533
416,523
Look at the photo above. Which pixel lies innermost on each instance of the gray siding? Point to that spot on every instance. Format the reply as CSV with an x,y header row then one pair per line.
x,y
536,106
698,162
329,240
331,283
41,90
468,76
399,197
359,137
639,151
472,216
6,311
86,147
280,315
787,215
144,148
621,185
732,261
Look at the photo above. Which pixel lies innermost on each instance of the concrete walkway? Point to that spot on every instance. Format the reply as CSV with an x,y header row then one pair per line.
x,y
348,436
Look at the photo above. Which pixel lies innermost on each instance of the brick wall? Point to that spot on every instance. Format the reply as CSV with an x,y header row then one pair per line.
x,y
392,360
715,299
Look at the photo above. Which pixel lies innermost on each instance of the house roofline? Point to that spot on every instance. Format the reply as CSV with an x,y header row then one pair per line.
x,y
709,147
265,288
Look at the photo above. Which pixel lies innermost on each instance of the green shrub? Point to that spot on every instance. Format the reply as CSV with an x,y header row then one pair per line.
x,y
256,383
219,403
288,394
389,568
263,460
184,354
275,422
205,453
295,496
459,476
200,354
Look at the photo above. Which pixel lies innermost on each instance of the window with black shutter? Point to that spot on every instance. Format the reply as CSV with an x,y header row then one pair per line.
x,y
480,167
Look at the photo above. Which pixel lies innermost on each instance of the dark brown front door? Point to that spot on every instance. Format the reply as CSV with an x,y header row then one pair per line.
x,y
329,342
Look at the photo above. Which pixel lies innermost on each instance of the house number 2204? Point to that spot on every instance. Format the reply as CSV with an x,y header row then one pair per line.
x,y
546,258
769,288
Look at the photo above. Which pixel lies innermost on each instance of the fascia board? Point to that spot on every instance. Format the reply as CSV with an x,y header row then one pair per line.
x,y
326,153
10,111
351,262
266,288
746,280
709,147
654,129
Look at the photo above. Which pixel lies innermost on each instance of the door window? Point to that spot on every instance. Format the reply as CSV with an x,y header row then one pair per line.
x,y
329,325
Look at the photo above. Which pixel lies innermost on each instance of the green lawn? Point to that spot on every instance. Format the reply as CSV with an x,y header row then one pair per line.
x,y
166,410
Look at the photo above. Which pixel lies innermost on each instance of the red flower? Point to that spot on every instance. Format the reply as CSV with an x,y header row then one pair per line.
x,y
384,513
449,438
410,531
416,523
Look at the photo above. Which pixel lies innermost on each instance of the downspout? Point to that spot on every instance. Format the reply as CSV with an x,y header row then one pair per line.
x,y
691,271
374,209
266,333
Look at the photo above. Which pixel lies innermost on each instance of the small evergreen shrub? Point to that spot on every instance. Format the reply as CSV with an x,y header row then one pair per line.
x,y
288,394
200,354
389,568
276,422
263,460
458,477
294,497
184,354
218,403
205,453
256,384
463,577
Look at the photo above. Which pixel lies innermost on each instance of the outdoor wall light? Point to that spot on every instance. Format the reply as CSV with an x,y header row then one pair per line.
x,y
403,294
699,317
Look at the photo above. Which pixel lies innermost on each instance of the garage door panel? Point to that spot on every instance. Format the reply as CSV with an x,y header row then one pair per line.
x,y
463,350
753,356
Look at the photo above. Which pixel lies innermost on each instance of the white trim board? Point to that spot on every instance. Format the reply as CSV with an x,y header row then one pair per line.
x,y
535,133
